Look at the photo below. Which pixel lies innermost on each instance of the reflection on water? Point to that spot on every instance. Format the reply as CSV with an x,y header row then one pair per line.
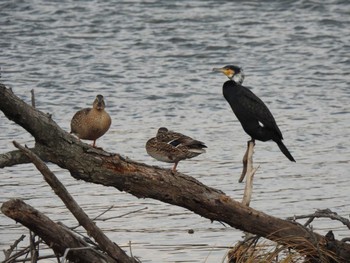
x,y
152,62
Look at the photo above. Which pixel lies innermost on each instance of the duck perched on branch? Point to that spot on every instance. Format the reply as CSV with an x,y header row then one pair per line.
x,y
172,147
91,123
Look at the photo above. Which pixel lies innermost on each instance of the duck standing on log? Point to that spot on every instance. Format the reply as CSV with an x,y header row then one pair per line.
x,y
172,147
256,119
91,123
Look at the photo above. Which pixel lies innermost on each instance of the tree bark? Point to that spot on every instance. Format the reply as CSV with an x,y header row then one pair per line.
x,y
249,172
54,235
145,181
113,250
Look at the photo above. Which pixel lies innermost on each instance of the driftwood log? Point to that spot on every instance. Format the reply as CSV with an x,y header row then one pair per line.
x,y
57,237
52,144
49,231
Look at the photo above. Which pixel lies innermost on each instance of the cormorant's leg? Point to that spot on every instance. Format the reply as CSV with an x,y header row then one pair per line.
x,y
245,161
94,143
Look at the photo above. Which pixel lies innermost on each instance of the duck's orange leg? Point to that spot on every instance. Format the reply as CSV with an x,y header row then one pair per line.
x,y
174,168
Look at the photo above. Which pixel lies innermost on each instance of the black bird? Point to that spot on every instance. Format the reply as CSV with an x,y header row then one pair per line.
x,y
256,119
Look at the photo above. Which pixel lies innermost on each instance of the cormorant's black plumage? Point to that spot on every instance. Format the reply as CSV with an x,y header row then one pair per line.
x,y
256,119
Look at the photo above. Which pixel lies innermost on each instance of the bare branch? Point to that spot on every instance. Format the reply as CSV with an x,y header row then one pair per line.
x,y
13,158
249,173
57,237
105,243
142,180
33,97
9,251
323,213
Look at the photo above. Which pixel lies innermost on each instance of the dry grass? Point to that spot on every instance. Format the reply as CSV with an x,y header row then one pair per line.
x,y
257,250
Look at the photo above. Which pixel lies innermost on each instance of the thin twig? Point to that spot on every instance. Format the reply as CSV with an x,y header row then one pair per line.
x,y
128,213
322,213
9,251
104,242
24,251
309,221
33,97
33,251
113,217
130,248
108,209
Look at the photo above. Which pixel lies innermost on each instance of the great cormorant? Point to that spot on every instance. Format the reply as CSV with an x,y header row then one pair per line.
x,y
256,119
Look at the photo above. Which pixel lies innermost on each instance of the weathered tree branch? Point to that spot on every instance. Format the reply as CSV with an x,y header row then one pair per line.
x,y
323,213
55,236
104,242
12,247
141,180
15,157
249,174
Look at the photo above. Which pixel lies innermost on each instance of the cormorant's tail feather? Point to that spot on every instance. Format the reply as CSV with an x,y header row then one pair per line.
x,y
285,151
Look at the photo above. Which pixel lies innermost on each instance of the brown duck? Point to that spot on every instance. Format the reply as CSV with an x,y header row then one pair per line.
x,y
172,147
91,123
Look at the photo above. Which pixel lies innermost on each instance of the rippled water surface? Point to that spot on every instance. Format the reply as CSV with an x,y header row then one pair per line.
x,y
152,61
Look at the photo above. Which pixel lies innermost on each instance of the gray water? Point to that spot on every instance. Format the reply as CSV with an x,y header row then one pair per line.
x,y
152,61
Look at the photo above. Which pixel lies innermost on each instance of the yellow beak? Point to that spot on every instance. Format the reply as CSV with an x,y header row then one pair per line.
x,y
228,72
219,70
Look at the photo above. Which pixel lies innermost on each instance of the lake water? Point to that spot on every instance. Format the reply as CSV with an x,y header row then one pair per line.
x,y
152,61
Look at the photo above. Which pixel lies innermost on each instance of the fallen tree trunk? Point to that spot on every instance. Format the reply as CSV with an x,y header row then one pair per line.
x,y
144,181
55,236
114,251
